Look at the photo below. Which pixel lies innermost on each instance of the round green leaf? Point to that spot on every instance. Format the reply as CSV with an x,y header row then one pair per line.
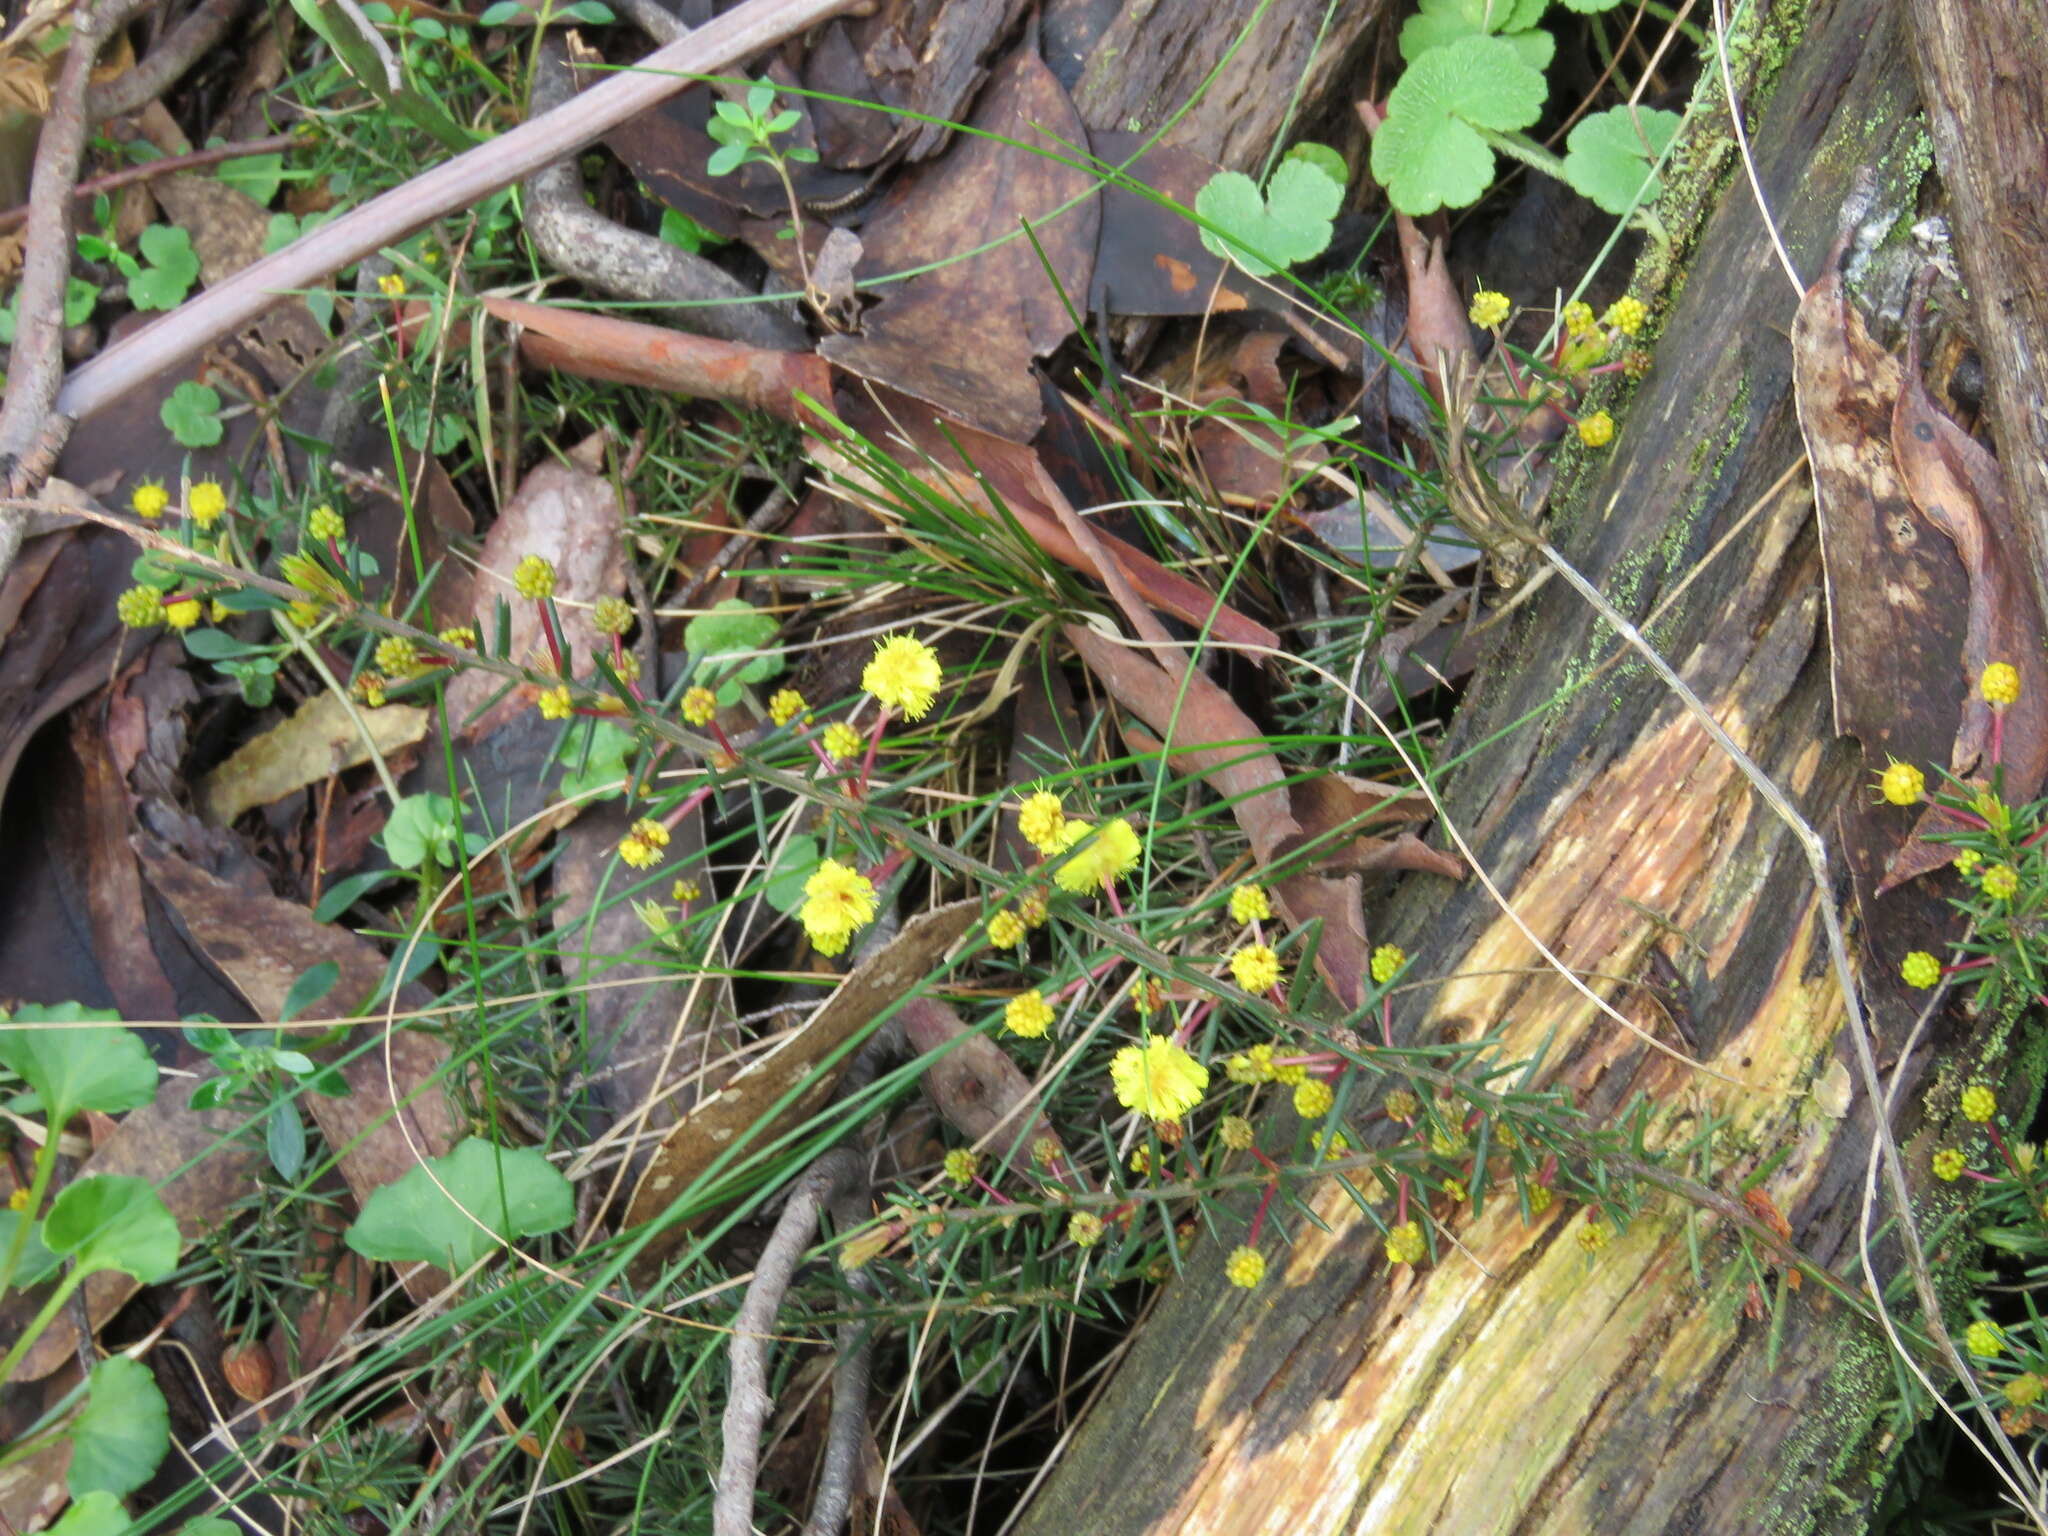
x,y
1608,156
1323,158
191,414
1429,154
114,1221
1440,23
733,625
122,1433
1262,233
514,1191
800,856
72,1068
97,1514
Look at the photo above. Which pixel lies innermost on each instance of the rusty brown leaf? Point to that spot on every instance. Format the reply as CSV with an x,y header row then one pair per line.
x,y
744,1103
963,335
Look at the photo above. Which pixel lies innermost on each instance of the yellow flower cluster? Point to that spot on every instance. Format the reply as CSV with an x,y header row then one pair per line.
x,y
700,706
2000,684
1245,1267
1108,855
837,900
182,613
1040,821
611,615
1158,1079
207,503
533,578
1006,930
1920,969
961,1166
643,843
1028,1014
785,706
1902,784
1406,1244
842,742
1387,961
904,675
1248,904
1312,1100
323,523
1256,968
556,704
149,499
1489,309
1979,1103
1596,430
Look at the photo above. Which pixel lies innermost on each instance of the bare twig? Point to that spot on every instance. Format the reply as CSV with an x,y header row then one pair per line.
x,y
37,363
466,179
766,516
149,170
625,263
175,52
847,1432
746,1409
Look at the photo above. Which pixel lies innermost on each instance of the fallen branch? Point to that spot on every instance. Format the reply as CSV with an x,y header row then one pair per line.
x,y
175,52
468,178
578,240
149,170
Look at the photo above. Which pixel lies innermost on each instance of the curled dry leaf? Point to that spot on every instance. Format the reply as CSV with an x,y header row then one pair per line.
x,y
655,357
1437,328
1959,487
1895,591
314,742
570,515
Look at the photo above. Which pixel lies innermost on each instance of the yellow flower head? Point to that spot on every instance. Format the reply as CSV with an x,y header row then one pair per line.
x,y
140,607
1596,430
183,613
1402,1105
397,656
461,636
1406,1244
1006,930
1158,1079
1248,904
556,704
1236,1132
2000,683
1255,968
961,1166
1245,1267
700,706
1983,1339
1028,1014
206,504
904,675
1084,1229
685,890
611,615
149,499
1595,1234
324,523
1111,854
1920,969
1040,820
1489,308
1949,1164
1031,909
1312,1100
369,687
1578,317
1387,961
785,706
1979,1103
638,852
842,741
391,285
837,900
18,1200
651,832
534,578
1626,315
2001,882
1902,784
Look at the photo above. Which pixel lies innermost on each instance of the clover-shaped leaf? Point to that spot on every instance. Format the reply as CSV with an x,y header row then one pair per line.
x,y
191,414
424,825
514,1191
97,1514
1608,156
114,1221
1442,22
1429,153
172,268
122,1433
1262,233
71,1067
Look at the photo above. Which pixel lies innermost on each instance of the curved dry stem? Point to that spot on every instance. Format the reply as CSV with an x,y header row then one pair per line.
x,y
175,52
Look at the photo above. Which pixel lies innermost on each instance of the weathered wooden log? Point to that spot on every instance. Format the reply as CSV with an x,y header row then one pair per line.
x,y
1522,1385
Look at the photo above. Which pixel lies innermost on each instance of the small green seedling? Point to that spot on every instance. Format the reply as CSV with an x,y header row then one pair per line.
x,y
454,1210
79,299
253,667
1289,222
731,646
259,1070
191,414
746,134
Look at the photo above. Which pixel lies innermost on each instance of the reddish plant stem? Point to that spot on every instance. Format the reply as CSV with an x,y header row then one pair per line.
x,y
1251,1238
